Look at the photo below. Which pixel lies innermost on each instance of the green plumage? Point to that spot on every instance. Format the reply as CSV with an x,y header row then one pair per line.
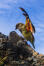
x,y
27,35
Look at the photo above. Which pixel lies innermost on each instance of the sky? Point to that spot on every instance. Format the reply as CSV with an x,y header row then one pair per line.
x,y
10,15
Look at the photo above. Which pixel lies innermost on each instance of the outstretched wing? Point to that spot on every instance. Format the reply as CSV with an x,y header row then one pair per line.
x,y
33,28
28,23
25,13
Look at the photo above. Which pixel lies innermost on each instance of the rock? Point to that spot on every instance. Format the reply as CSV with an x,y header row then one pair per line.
x,y
18,52
3,38
14,37
23,49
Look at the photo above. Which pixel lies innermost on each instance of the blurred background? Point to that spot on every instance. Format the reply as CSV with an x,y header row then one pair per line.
x,y
10,15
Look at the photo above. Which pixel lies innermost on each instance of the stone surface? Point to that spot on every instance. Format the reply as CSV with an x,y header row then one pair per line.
x,y
15,51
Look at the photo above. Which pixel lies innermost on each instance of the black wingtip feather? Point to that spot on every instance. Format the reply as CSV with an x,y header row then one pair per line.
x,y
25,13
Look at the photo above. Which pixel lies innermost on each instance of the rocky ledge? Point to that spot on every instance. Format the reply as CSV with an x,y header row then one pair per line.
x,y
15,51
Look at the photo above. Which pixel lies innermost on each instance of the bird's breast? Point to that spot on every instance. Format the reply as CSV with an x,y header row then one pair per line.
x,y
26,34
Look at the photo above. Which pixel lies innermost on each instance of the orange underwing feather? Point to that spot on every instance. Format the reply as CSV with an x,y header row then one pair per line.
x,y
28,25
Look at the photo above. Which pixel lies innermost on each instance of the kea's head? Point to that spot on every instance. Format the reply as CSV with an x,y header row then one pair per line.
x,y
19,26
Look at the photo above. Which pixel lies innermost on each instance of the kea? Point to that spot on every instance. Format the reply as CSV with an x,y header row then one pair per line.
x,y
27,34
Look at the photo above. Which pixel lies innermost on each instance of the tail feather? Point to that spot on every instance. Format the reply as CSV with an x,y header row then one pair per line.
x,y
33,46
32,40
